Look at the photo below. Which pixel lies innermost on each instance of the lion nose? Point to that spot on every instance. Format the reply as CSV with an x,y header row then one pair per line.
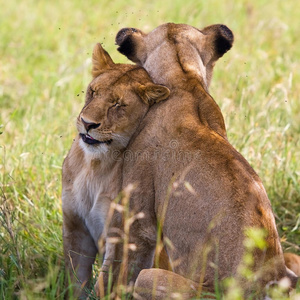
x,y
89,125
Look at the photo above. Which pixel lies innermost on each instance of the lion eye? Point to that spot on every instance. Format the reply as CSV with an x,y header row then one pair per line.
x,y
117,104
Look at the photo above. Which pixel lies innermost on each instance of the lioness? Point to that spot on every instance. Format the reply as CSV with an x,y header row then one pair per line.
x,y
201,191
117,99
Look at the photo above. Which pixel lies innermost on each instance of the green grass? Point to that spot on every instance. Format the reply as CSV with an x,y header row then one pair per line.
x,y
45,51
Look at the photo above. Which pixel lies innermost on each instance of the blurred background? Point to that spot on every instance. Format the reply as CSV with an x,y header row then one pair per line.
x,y
45,63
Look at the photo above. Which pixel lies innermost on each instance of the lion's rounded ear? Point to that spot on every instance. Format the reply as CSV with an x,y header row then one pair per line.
x,y
153,93
221,37
101,60
131,44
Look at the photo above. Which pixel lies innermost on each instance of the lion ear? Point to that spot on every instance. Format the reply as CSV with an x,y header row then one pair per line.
x,y
101,60
153,93
221,37
131,44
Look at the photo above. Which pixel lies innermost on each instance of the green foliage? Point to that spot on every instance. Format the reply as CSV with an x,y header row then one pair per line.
x,y
45,55
255,240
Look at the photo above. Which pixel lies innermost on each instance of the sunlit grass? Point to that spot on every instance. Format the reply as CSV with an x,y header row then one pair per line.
x,y
45,52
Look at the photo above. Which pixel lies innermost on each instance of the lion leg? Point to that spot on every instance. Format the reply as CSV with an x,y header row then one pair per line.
x,y
110,262
125,269
162,284
123,262
80,253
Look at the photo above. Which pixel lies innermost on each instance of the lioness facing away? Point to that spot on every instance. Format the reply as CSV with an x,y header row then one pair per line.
x,y
201,192
117,99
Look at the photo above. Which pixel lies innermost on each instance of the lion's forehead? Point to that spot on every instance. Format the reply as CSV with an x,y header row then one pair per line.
x,y
173,33
118,77
170,29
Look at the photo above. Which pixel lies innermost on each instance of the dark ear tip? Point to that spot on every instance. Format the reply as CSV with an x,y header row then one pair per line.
x,y
127,47
226,33
224,40
122,35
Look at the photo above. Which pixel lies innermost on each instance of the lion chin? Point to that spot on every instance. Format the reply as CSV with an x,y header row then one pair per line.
x,y
96,150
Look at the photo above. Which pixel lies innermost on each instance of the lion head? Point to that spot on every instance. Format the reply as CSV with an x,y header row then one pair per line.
x,y
117,99
195,51
181,57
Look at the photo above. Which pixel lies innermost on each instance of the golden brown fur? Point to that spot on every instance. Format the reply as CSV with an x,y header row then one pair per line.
x,y
292,261
202,192
117,99
168,285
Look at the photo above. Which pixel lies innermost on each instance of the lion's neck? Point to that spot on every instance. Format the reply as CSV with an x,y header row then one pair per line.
x,y
103,156
94,176
105,161
209,111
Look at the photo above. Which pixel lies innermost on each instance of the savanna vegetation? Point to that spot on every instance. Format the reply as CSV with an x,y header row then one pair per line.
x,y
45,62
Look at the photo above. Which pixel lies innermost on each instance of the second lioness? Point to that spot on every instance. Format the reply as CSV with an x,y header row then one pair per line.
x,y
202,193
117,99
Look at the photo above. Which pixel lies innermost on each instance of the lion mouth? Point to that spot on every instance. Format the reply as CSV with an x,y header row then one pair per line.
x,y
91,141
